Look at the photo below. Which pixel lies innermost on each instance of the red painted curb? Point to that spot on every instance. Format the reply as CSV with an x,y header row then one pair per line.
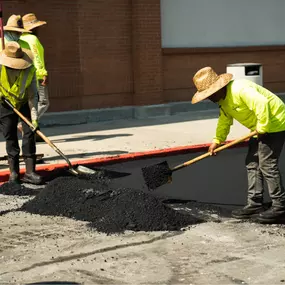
x,y
44,169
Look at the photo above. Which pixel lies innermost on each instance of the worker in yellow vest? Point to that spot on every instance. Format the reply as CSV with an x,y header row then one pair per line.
x,y
31,41
259,110
12,32
18,84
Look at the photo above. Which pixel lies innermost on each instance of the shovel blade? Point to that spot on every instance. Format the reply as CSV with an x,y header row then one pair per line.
x,y
157,175
85,170
80,169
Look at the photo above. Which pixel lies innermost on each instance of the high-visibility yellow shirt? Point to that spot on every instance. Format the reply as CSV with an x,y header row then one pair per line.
x,y
32,42
253,106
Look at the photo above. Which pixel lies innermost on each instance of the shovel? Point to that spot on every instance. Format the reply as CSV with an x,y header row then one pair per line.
x,y
160,174
75,170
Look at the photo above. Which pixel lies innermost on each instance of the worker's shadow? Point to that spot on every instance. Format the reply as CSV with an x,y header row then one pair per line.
x,y
90,137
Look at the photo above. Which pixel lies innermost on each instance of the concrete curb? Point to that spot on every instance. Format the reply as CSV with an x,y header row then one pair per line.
x,y
126,113
44,170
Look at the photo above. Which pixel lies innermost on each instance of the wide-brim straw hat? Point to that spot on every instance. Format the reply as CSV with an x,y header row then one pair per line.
x,y
208,82
15,24
30,22
15,57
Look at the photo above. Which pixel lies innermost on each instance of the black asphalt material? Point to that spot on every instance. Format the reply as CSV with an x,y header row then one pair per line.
x,y
156,175
100,174
11,188
108,210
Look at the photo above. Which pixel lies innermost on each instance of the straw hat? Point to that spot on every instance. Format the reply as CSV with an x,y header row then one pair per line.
x,y
15,24
15,57
30,21
208,82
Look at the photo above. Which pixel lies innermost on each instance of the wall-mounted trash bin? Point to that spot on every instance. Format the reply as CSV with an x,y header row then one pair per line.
x,y
250,71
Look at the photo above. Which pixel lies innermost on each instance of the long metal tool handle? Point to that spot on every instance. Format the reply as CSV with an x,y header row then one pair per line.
x,y
250,135
1,26
48,141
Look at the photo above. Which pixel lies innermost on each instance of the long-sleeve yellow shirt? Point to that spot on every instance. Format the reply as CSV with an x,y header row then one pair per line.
x,y
253,106
32,42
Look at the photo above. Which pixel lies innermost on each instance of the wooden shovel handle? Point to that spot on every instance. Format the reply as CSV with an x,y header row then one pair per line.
x,y
216,150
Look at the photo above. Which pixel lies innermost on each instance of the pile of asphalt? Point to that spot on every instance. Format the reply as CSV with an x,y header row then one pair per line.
x,y
108,210
15,189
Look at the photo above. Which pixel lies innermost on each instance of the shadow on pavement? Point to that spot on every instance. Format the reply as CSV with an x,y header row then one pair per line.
x,y
83,155
131,123
90,137
58,130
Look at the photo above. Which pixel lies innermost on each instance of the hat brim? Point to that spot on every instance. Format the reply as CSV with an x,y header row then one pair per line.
x,y
34,25
221,82
17,63
7,28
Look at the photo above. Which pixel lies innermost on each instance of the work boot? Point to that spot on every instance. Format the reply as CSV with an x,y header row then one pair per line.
x,y
247,212
14,169
31,176
273,215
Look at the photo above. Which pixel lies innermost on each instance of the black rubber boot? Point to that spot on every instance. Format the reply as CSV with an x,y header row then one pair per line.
x,y
273,215
247,212
14,170
31,176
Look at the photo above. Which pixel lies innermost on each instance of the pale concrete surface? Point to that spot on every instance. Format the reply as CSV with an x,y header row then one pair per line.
x,y
127,136
38,249
34,248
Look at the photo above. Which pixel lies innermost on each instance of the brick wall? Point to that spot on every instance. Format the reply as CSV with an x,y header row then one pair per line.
x,y
147,60
181,64
107,53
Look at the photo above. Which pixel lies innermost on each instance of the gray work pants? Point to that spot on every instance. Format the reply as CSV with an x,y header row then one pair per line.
x,y
43,103
262,165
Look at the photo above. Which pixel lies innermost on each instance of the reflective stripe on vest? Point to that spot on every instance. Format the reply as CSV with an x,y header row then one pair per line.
x,y
16,94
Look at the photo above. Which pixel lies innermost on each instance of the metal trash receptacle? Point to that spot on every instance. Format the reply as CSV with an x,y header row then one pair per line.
x,y
250,71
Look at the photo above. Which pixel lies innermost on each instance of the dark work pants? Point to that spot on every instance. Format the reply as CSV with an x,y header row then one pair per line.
x,y
262,165
9,122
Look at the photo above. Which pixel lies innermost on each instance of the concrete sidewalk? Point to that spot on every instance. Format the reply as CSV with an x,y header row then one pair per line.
x,y
127,136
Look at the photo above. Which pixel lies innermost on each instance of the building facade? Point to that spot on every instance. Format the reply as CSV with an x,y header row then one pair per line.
x,y
110,53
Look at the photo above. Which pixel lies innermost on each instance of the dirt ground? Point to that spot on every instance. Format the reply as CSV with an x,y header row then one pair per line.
x,y
222,251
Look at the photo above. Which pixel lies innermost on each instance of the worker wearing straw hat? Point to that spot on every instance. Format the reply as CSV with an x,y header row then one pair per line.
x,y
18,85
13,30
257,109
31,23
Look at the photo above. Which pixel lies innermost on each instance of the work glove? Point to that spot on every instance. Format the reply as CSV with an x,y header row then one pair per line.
x,y
36,125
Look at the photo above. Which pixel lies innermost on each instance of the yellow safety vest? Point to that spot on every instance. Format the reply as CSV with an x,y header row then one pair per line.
x,y
16,94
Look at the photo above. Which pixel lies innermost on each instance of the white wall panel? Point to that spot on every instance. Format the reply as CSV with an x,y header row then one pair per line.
x,y
222,23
